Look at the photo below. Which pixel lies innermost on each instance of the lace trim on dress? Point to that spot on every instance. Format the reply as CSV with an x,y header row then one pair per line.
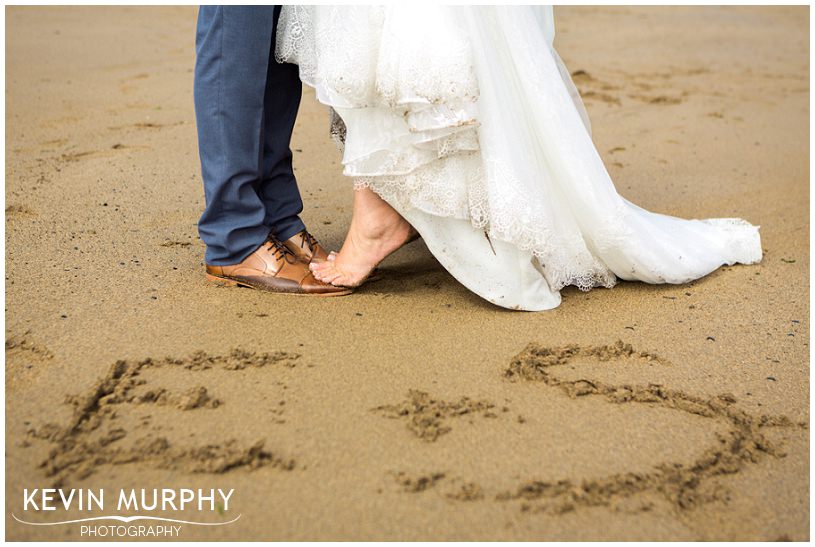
x,y
404,96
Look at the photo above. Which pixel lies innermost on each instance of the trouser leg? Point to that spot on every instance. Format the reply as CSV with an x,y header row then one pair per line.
x,y
232,60
278,189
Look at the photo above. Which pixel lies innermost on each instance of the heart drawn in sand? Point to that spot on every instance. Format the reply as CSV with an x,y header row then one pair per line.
x,y
685,485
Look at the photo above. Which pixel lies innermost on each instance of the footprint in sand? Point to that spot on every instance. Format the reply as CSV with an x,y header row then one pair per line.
x,y
657,99
175,243
73,157
684,485
592,89
24,359
156,413
14,212
23,345
648,86
146,125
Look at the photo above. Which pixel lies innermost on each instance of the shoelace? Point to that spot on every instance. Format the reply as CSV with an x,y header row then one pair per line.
x,y
280,250
308,239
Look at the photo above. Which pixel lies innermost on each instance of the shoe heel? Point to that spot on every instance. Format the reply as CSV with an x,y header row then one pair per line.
x,y
222,281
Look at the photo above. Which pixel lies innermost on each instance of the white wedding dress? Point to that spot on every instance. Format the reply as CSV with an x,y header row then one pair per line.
x,y
465,120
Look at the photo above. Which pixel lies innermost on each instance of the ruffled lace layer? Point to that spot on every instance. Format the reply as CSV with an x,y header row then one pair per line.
x,y
468,113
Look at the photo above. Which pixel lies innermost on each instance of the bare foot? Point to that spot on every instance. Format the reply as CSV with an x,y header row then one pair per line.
x,y
376,231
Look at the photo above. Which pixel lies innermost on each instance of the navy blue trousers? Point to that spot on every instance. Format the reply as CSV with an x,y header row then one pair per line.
x,y
245,107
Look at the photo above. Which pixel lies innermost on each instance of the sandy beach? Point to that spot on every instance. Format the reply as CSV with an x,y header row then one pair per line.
x,y
411,410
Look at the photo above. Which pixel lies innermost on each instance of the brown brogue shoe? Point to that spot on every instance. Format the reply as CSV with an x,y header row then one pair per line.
x,y
306,248
274,268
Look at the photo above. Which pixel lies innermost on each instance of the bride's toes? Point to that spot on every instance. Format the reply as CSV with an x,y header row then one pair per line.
x,y
341,279
317,275
335,278
329,272
325,271
318,267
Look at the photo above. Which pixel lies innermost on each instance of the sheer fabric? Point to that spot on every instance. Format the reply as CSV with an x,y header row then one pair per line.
x,y
467,122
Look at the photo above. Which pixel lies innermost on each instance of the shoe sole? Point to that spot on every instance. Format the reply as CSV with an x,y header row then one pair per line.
x,y
227,282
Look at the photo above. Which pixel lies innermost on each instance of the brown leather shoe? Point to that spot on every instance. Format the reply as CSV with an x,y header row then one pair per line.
x,y
306,248
274,268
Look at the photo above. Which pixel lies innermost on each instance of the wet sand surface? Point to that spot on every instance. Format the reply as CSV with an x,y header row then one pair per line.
x,y
411,409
